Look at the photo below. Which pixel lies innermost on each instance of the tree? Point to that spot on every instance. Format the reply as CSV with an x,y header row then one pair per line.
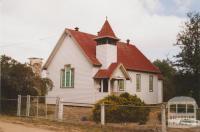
x,y
17,78
188,59
168,72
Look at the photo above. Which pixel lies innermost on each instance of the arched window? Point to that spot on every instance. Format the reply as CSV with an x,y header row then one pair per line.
x,y
67,77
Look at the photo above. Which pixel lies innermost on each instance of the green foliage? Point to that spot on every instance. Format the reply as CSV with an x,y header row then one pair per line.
x,y
17,78
169,74
188,59
116,113
188,40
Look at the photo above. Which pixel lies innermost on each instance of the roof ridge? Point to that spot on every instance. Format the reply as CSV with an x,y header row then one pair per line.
x,y
81,32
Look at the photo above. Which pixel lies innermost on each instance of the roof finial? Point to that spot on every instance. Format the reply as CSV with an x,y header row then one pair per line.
x,y
106,17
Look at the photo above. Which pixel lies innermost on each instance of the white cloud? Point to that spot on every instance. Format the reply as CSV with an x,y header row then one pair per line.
x,y
183,5
152,5
29,20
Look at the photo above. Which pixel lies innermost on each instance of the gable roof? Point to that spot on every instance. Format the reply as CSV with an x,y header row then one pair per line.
x,y
127,54
107,73
88,45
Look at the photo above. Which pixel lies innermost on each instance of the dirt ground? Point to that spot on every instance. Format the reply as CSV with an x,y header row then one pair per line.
x,y
22,124
14,127
13,124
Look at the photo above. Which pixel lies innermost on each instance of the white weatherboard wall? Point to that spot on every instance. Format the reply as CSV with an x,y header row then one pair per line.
x,y
70,53
106,54
144,94
160,91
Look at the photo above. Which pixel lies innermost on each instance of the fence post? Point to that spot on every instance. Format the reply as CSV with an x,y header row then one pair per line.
x,y
28,105
60,109
46,108
37,106
163,118
19,105
102,114
56,109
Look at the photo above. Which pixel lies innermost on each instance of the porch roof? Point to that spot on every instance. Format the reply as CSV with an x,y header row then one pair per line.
x,y
107,73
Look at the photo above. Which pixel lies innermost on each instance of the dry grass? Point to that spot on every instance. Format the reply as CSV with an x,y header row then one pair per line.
x,y
73,122
70,127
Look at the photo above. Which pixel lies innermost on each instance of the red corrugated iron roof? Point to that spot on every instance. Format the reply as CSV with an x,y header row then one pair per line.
x,y
127,54
133,59
88,45
106,30
106,73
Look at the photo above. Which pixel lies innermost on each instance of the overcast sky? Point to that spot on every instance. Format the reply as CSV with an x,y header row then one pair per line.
x,y
31,28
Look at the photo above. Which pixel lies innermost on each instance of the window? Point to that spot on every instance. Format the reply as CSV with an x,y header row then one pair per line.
x,y
138,82
121,85
151,83
67,77
190,108
173,108
105,85
100,86
181,108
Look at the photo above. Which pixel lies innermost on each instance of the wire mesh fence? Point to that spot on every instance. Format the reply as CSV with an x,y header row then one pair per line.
x,y
123,116
77,114
37,106
156,117
132,116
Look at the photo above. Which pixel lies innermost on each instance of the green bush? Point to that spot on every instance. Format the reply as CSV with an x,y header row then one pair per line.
x,y
120,109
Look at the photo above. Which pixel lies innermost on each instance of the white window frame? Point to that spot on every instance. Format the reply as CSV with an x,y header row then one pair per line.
x,y
64,71
118,81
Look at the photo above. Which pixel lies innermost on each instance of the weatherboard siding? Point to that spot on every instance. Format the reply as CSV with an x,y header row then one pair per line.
x,y
160,91
70,53
144,94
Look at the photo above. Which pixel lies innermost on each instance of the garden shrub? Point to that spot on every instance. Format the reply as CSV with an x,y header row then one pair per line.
x,y
116,113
